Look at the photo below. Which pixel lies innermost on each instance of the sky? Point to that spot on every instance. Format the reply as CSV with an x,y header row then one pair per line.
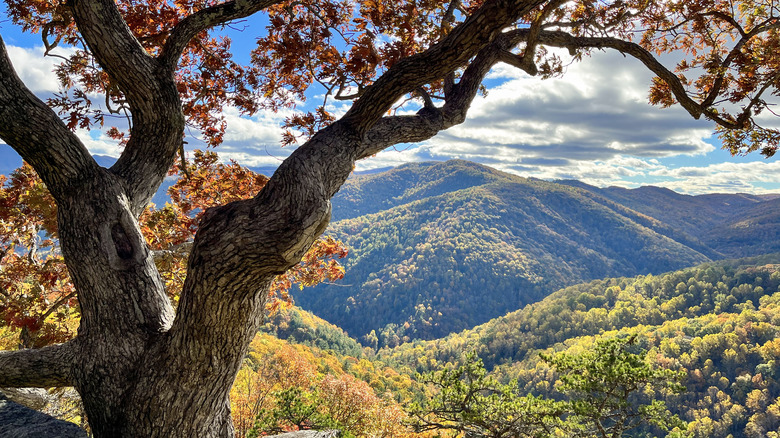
x,y
593,124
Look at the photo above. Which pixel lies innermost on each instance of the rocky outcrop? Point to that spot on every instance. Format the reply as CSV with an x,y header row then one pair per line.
x,y
17,421
33,398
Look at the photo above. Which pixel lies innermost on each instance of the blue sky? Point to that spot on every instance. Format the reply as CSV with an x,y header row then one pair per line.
x,y
594,124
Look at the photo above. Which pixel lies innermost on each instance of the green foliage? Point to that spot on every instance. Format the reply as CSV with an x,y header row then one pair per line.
x,y
590,309
295,409
733,225
469,401
719,323
602,392
607,385
438,248
301,327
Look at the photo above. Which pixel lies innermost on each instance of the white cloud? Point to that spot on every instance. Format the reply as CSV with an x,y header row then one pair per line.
x,y
98,143
253,141
594,124
35,69
745,176
598,110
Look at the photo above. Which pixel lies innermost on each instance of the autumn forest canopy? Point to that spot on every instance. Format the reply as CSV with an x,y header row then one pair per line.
x,y
168,298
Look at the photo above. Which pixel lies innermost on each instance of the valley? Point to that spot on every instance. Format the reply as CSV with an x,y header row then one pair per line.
x,y
437,248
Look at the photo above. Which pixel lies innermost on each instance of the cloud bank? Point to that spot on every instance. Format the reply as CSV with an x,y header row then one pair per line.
x,y
593,124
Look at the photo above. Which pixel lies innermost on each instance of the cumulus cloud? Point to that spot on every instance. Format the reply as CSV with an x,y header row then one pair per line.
x,y
252,141
594,124
37,73
597,111
740,175
35,69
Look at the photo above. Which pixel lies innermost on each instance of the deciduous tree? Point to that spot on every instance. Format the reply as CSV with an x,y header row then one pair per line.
x,y
468,402
39,299
604,391
143,369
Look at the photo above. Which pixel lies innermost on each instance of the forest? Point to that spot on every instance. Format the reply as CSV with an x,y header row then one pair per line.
x,y
424,236
714,325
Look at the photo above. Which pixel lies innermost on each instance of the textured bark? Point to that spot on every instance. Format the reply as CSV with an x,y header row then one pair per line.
x,y
140,370
43,368
39,136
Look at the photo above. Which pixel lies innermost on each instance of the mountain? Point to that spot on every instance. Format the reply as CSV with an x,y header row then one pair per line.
x,y
599,306
755,230
718,322
691,214
440,247
728,225
372,193
298,326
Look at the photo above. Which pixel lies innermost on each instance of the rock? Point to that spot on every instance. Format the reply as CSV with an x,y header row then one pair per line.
x,y
33,398
17,421
309,434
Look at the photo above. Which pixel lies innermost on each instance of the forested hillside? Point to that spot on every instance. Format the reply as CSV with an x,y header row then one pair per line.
x,y
731,225
301,327
719,323
441,247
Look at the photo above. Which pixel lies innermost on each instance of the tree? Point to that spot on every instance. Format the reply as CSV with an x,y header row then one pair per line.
x,y
143,369
605,387
604,391
39,298
468,401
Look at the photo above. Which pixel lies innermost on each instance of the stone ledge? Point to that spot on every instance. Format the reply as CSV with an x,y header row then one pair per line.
x,y
17,421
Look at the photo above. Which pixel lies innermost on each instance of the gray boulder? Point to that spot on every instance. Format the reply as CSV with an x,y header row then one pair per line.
x,y
17,421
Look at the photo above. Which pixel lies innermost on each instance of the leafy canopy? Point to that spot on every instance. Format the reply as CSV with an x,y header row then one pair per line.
x,y
727,68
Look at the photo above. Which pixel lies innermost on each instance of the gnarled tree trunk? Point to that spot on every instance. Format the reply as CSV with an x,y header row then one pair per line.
x,y
141,369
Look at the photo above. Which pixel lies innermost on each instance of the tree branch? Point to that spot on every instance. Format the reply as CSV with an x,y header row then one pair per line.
x,y
116,49
728,19
453,51
389,131
158,122
38,368
526,62
241,246
203,20
735,51
565,40
38,135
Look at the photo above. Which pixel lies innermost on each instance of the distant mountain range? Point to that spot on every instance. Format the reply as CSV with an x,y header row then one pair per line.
x,y
730,225
440,247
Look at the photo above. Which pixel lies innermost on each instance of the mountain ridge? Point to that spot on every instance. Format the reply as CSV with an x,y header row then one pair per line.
x,y
441,246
